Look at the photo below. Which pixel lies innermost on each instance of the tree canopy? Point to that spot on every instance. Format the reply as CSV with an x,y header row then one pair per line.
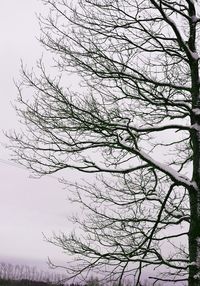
x,y
134,121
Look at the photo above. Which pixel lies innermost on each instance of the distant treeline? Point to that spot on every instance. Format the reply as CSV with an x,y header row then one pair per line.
x,y
25,282
26,275
23,275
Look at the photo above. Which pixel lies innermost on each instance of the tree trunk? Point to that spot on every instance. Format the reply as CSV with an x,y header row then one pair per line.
x,y
194,240
194,231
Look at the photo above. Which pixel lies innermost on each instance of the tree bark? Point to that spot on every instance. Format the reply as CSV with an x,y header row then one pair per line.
x,y
194,232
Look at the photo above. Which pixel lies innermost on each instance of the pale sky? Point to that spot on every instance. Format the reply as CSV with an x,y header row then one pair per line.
x,y
28,207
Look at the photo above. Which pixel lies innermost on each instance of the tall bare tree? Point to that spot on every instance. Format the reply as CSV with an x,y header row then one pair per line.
x,y
135,122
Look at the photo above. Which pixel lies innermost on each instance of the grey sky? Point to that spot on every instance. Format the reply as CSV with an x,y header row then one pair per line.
x,y
28,206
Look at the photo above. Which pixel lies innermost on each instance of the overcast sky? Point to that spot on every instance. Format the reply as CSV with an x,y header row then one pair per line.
x,y
28,207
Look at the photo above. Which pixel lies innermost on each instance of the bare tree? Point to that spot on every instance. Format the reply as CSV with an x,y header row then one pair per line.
x,y
135,122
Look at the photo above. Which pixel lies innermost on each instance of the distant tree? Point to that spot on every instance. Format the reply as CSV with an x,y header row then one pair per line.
x,y
93,281
135,122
